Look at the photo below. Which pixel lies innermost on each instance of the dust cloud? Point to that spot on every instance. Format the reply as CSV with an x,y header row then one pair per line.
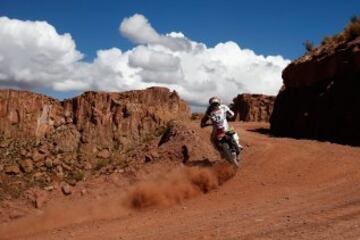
x,y
177,185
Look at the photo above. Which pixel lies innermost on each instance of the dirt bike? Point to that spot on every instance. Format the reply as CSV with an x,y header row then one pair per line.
x,y
227,145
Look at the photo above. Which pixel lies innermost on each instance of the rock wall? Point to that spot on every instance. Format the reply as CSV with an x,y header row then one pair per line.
x,y
44,137
105,115
320,98
253,107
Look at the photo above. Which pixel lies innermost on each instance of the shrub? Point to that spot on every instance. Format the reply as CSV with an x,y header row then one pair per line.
x,y
100,163
354,19
326,40
78,175
74,176
309,46
350,32
120,163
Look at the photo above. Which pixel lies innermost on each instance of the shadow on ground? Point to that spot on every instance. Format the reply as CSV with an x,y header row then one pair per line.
x,y
265,131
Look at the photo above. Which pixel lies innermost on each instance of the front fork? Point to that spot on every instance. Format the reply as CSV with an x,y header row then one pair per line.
x,y
235,142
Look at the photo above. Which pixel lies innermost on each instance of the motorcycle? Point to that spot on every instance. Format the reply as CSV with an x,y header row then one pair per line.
x,y
228,146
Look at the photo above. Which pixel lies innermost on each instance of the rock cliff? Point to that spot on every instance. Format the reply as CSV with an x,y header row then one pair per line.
x,y
320,98
253,107
42,139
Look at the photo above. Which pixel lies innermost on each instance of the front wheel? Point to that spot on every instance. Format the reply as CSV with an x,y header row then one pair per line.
x,y
229,155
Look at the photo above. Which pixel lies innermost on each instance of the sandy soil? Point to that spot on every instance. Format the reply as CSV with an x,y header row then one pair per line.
x,y
284,189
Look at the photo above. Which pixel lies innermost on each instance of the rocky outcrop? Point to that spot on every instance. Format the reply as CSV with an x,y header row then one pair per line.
x,y
29,115
42,138
320,98
253,107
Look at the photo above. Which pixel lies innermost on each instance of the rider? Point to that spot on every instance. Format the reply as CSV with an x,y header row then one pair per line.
x,y
218,113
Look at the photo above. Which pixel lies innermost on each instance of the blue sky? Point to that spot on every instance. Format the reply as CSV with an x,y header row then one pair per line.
x,y
267,27
233,38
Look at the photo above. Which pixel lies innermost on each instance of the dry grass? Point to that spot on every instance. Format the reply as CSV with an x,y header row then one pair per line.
x,y
350,32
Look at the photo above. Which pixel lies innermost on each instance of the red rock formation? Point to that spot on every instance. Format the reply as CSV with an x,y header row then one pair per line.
x,y
25,114
320,98
99,115
253,107
45,137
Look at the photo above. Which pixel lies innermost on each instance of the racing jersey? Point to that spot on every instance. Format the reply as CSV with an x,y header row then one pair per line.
x,y
218,115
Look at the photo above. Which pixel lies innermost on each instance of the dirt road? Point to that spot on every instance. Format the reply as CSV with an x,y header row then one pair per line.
x,y
285,189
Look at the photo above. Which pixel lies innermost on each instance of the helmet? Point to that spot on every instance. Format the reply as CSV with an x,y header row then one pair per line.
x,y
214,101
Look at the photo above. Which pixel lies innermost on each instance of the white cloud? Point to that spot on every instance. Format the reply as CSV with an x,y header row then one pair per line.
x,y
138,29
153,60
33,54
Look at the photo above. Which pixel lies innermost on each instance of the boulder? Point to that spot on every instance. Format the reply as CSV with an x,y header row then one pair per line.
x,y
66,188
23,152
104,154
4,144
49,163
26,165
12,169
37,156
40,198
16,214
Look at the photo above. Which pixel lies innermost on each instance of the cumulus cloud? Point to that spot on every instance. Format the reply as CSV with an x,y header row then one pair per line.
x,y
138,29
33,54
